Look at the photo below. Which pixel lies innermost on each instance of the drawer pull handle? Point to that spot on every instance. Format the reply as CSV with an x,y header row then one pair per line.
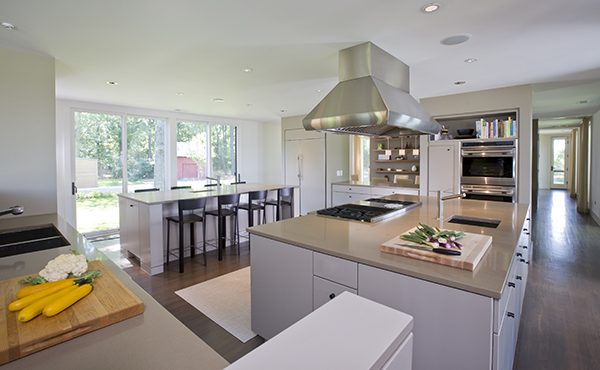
x,y
525,229
519,254
522,260
510,314
512,285
519,278
524,246
332,296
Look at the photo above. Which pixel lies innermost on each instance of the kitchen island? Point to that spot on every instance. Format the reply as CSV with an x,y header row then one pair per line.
x,y
143,228
152,340
463,319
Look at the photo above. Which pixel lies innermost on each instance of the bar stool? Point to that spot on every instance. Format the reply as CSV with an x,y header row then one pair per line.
x,y
227,205
145,190
188,218
285,197
256,202
181,187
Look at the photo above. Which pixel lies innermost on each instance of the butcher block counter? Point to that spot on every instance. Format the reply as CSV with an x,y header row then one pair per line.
x,y
153,339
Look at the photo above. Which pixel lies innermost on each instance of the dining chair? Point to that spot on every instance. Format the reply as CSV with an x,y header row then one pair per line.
x,y
186,215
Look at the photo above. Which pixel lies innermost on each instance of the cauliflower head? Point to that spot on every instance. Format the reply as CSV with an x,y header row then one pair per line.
x,y
63,265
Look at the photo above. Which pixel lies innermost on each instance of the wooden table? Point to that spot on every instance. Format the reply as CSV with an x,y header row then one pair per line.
x,y
142,218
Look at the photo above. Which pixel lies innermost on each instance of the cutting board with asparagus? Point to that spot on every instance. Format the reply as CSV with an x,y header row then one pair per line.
x,y
473,248
109,302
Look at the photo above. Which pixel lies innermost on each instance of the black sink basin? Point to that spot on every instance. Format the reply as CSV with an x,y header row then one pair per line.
x,y
473,221
30,240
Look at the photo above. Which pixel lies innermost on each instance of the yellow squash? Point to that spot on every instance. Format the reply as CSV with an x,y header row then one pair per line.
x,y
66,301
37,288
36,308
27,300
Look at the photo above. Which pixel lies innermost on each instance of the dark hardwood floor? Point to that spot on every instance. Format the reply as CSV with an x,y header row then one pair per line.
x,y
162,288
560,325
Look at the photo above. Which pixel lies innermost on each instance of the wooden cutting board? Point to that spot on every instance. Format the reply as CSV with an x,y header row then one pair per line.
x,y
109,302
474,247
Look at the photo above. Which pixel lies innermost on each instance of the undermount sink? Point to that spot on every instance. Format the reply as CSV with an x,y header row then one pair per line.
x,y
473,221
30,240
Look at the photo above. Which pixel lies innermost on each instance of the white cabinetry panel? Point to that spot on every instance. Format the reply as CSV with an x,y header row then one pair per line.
x,y
444,167
336,269
281,284
325,291
457,324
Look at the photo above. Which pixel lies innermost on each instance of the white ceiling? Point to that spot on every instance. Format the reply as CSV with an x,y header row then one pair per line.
x,y
155,49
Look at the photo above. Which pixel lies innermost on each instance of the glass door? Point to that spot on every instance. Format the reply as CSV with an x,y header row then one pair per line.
x,y
98,170
145,153
558,169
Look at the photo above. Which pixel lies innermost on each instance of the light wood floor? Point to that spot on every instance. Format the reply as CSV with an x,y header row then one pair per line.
x,y
560,325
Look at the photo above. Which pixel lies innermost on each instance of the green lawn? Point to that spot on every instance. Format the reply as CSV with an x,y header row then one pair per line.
x,y
97,212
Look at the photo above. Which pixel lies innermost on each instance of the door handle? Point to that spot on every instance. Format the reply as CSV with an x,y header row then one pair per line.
x,y
551,168
73,188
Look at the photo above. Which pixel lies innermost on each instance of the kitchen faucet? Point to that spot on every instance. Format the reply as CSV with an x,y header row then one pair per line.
x,y
16,210
440,203
218,180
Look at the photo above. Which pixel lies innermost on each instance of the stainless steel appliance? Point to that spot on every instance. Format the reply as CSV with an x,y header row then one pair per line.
x,y
370,210
489,170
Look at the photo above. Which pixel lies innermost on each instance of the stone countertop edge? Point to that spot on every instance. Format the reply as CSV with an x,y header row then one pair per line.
x,y
377,184
154,339
172,196
360,242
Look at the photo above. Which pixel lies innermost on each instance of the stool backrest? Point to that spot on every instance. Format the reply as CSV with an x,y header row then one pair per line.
x,y
145,190
181,187
260,195
238,182
285,192
191,204
229,199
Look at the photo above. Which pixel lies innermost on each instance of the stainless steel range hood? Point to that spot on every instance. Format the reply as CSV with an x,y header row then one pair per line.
x,y
371,98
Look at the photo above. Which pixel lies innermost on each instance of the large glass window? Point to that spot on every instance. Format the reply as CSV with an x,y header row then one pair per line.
x,y
205,150
145,153
366,157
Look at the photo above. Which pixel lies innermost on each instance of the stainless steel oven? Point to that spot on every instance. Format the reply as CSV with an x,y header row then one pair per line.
x,y
489,170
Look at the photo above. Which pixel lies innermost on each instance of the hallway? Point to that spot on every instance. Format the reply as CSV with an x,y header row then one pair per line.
x,y
560,326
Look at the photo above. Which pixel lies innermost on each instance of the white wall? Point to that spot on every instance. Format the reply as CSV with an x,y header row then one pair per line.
x,y
27,129
595,168
504,99
545,161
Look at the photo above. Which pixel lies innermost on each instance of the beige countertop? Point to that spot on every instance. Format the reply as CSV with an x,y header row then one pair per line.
x,y
377,184
152,340
360,242
170,196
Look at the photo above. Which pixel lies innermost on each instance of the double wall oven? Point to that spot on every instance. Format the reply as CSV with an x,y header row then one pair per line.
x,y
489,170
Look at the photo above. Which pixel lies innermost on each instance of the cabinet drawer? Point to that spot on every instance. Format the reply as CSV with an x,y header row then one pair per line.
x,y
390,191
501,305
325,290
336,269
353,189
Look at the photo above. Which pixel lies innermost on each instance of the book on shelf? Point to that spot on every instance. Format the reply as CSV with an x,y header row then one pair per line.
x,y
495,129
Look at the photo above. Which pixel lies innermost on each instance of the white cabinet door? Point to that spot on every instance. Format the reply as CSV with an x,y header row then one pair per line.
x,y
129,226
453,328
282,285
443,169
325,291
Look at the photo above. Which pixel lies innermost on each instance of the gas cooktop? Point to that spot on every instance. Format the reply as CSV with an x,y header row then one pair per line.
x,y
370,210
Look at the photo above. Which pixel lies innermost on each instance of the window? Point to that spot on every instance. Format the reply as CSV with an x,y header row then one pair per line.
x,y
205,149
145,153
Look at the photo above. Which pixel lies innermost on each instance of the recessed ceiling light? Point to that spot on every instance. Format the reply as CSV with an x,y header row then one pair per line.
x,y
460,82
457,39
218,100
283,111
179,94
248,105
319,90
112,82
8,26
471,60
247,70
430,8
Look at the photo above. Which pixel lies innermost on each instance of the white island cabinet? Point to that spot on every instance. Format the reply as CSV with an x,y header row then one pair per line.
x,y
462,319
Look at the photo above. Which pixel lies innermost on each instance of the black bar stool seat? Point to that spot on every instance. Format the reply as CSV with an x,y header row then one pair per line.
x,y
191,218
227,206
285,197
256,202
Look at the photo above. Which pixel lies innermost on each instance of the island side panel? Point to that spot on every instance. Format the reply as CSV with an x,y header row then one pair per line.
x,y
453,328
282,291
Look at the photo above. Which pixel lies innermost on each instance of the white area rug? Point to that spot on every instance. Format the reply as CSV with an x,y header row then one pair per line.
x,y
225,300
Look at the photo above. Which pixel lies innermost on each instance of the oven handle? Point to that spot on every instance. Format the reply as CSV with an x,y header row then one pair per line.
x,y
488,153
488,191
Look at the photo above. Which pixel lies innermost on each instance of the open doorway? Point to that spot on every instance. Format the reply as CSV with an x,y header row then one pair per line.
x,y
559,158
